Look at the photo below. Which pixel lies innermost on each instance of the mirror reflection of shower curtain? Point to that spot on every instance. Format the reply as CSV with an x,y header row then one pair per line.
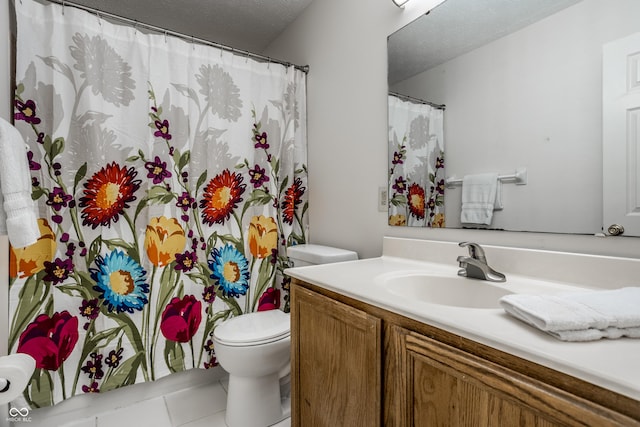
x,y
416,164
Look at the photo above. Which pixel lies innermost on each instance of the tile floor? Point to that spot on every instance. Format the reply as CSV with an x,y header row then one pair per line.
x,y
194,399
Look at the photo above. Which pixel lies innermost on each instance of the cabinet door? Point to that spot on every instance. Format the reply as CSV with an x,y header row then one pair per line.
x,y
439,385
335,361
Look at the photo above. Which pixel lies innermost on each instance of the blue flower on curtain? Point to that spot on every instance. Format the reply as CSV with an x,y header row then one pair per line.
x,y
230,270
120,282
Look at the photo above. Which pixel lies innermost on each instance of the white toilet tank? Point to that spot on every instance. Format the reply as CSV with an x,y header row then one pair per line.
x,y
310,254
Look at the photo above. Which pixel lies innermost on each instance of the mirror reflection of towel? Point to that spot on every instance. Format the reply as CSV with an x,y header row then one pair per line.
x,y
479,198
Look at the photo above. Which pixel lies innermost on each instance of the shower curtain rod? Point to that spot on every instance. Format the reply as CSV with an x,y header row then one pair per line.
x,y
418,100
138,24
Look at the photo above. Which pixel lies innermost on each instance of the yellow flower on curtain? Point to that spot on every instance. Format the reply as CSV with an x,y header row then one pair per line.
x,y
27,261
164,238
397,219
263,236
438,221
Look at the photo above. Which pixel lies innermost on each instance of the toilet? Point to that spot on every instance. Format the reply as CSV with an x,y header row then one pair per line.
x,y
255,349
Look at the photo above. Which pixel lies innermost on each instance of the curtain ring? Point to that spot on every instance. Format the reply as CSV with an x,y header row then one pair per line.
x,y
193,45
165,36
268,62
99,20
62,6
246,58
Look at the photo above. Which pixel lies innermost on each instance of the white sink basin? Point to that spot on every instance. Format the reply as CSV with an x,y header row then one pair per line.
x,y
444,290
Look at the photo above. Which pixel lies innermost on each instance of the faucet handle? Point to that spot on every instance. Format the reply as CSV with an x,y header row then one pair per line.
x,y
475,251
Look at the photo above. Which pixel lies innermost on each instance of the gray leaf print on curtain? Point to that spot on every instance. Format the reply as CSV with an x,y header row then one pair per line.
x,y
291,104
221,94
103,69
207,150
419,132
35,89
90,127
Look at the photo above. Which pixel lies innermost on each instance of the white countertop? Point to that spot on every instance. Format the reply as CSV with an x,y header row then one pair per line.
x,y
611,364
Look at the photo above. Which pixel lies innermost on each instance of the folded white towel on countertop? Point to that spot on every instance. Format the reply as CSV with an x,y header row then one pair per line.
x,y
18,219
479,198
582,316
596,334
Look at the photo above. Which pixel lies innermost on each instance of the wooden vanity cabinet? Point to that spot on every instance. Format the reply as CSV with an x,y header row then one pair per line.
x,y
358,365
441,385
335,362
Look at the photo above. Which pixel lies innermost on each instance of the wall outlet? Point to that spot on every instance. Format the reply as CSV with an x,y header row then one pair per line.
x,y
383,199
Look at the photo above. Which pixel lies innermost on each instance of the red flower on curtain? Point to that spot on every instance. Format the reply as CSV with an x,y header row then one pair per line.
x,y
50,340
107,193
270,300
181,318
416,200
292,199
221,197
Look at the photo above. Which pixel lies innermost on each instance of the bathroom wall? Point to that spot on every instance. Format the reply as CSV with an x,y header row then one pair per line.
x,y
345,45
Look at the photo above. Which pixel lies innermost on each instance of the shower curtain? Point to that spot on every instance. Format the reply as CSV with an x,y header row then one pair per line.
x,y
169,178
416,164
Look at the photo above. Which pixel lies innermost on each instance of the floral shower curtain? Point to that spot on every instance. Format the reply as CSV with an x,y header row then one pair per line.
x,y
169,177
416,164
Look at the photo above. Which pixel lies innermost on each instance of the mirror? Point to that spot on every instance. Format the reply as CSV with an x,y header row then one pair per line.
x,y
522,85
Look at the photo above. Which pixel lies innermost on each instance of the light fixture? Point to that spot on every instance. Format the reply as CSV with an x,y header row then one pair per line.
x,y
400,3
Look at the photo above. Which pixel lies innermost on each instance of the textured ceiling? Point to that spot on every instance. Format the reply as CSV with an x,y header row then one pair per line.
x,y
243,24
459,26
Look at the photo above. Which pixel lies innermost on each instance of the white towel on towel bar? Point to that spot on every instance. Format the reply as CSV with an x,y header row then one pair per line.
x,y
18,216
582,316
479,198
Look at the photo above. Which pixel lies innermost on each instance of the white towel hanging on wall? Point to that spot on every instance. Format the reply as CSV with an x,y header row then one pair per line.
x,y
18,219
479,198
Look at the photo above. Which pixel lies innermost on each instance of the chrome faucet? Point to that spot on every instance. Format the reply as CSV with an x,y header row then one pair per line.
x,y
475,265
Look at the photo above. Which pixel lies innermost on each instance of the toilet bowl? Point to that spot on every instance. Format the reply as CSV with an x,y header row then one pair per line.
x,y
254,349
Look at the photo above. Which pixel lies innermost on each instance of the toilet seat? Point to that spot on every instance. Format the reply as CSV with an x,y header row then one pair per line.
x,y
253,328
